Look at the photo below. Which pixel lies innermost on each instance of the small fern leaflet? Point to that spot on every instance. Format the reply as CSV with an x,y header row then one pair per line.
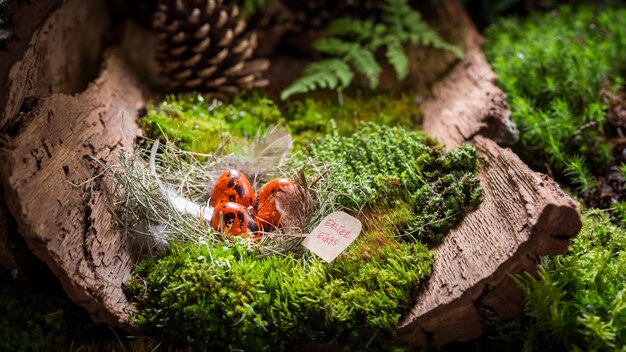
x,y
329,73
397,58
365,63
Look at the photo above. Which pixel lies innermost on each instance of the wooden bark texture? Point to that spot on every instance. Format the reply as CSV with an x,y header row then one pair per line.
x,y
467,101
523,214
49,53
60,57
54,189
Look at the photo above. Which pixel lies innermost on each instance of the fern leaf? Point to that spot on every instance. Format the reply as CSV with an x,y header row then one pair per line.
x,y
335,47
355,43
329,73
398,59
428,37
361,58
365,63
394,14
407,25
352,28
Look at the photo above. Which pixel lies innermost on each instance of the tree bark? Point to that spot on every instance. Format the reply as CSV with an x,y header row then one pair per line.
x,y
56,192
523,214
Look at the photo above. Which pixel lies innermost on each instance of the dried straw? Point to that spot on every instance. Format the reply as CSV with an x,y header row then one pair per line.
x,y
161,195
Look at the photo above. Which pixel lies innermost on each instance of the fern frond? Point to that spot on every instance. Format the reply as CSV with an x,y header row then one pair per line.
x,y
362,59
428,37
329,73
335,47
406,24
353,28
365,63
394,12
355,43
398,59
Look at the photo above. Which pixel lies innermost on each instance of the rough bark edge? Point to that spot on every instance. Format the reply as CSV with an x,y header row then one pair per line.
x,y
466,102
523,214
61,203
53,53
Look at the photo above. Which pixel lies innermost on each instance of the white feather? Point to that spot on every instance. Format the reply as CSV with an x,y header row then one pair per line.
x,y
180,203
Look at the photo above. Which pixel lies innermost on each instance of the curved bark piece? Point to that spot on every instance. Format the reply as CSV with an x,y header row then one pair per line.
x,y
523,214
48,53
466,102
54,189
53,53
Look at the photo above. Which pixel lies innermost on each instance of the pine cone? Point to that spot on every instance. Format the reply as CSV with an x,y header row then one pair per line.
x,y
203,46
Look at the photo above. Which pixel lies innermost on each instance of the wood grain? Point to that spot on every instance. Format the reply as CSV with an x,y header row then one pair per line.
x,y
55,192
523,214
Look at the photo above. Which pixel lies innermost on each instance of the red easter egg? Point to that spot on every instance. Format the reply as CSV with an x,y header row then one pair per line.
x,y
265,203
234,219
232,186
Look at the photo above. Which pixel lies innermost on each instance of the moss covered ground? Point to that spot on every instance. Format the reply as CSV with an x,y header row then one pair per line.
x,y
578,301
31,321
203,126
39,317
405,187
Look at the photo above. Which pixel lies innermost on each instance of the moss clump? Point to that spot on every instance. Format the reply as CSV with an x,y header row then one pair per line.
x,y
226,298
382,165
553,66
578,303
312,118
404,187
202,126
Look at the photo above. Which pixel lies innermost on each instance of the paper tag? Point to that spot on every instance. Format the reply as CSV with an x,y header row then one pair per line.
x,y
333,235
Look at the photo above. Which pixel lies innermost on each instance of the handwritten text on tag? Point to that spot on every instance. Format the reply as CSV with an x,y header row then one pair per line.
x,y
333,235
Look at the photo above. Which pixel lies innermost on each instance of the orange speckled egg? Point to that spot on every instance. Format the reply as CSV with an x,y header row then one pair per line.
x,y
232,186
265,203
234,219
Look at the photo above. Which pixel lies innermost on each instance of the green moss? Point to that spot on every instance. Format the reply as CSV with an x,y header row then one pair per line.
x,y
384,164
202,126
403,185
578,303
224,297
552,66
311,118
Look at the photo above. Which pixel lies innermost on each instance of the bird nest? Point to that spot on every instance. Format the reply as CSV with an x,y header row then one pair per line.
x,y
267,288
